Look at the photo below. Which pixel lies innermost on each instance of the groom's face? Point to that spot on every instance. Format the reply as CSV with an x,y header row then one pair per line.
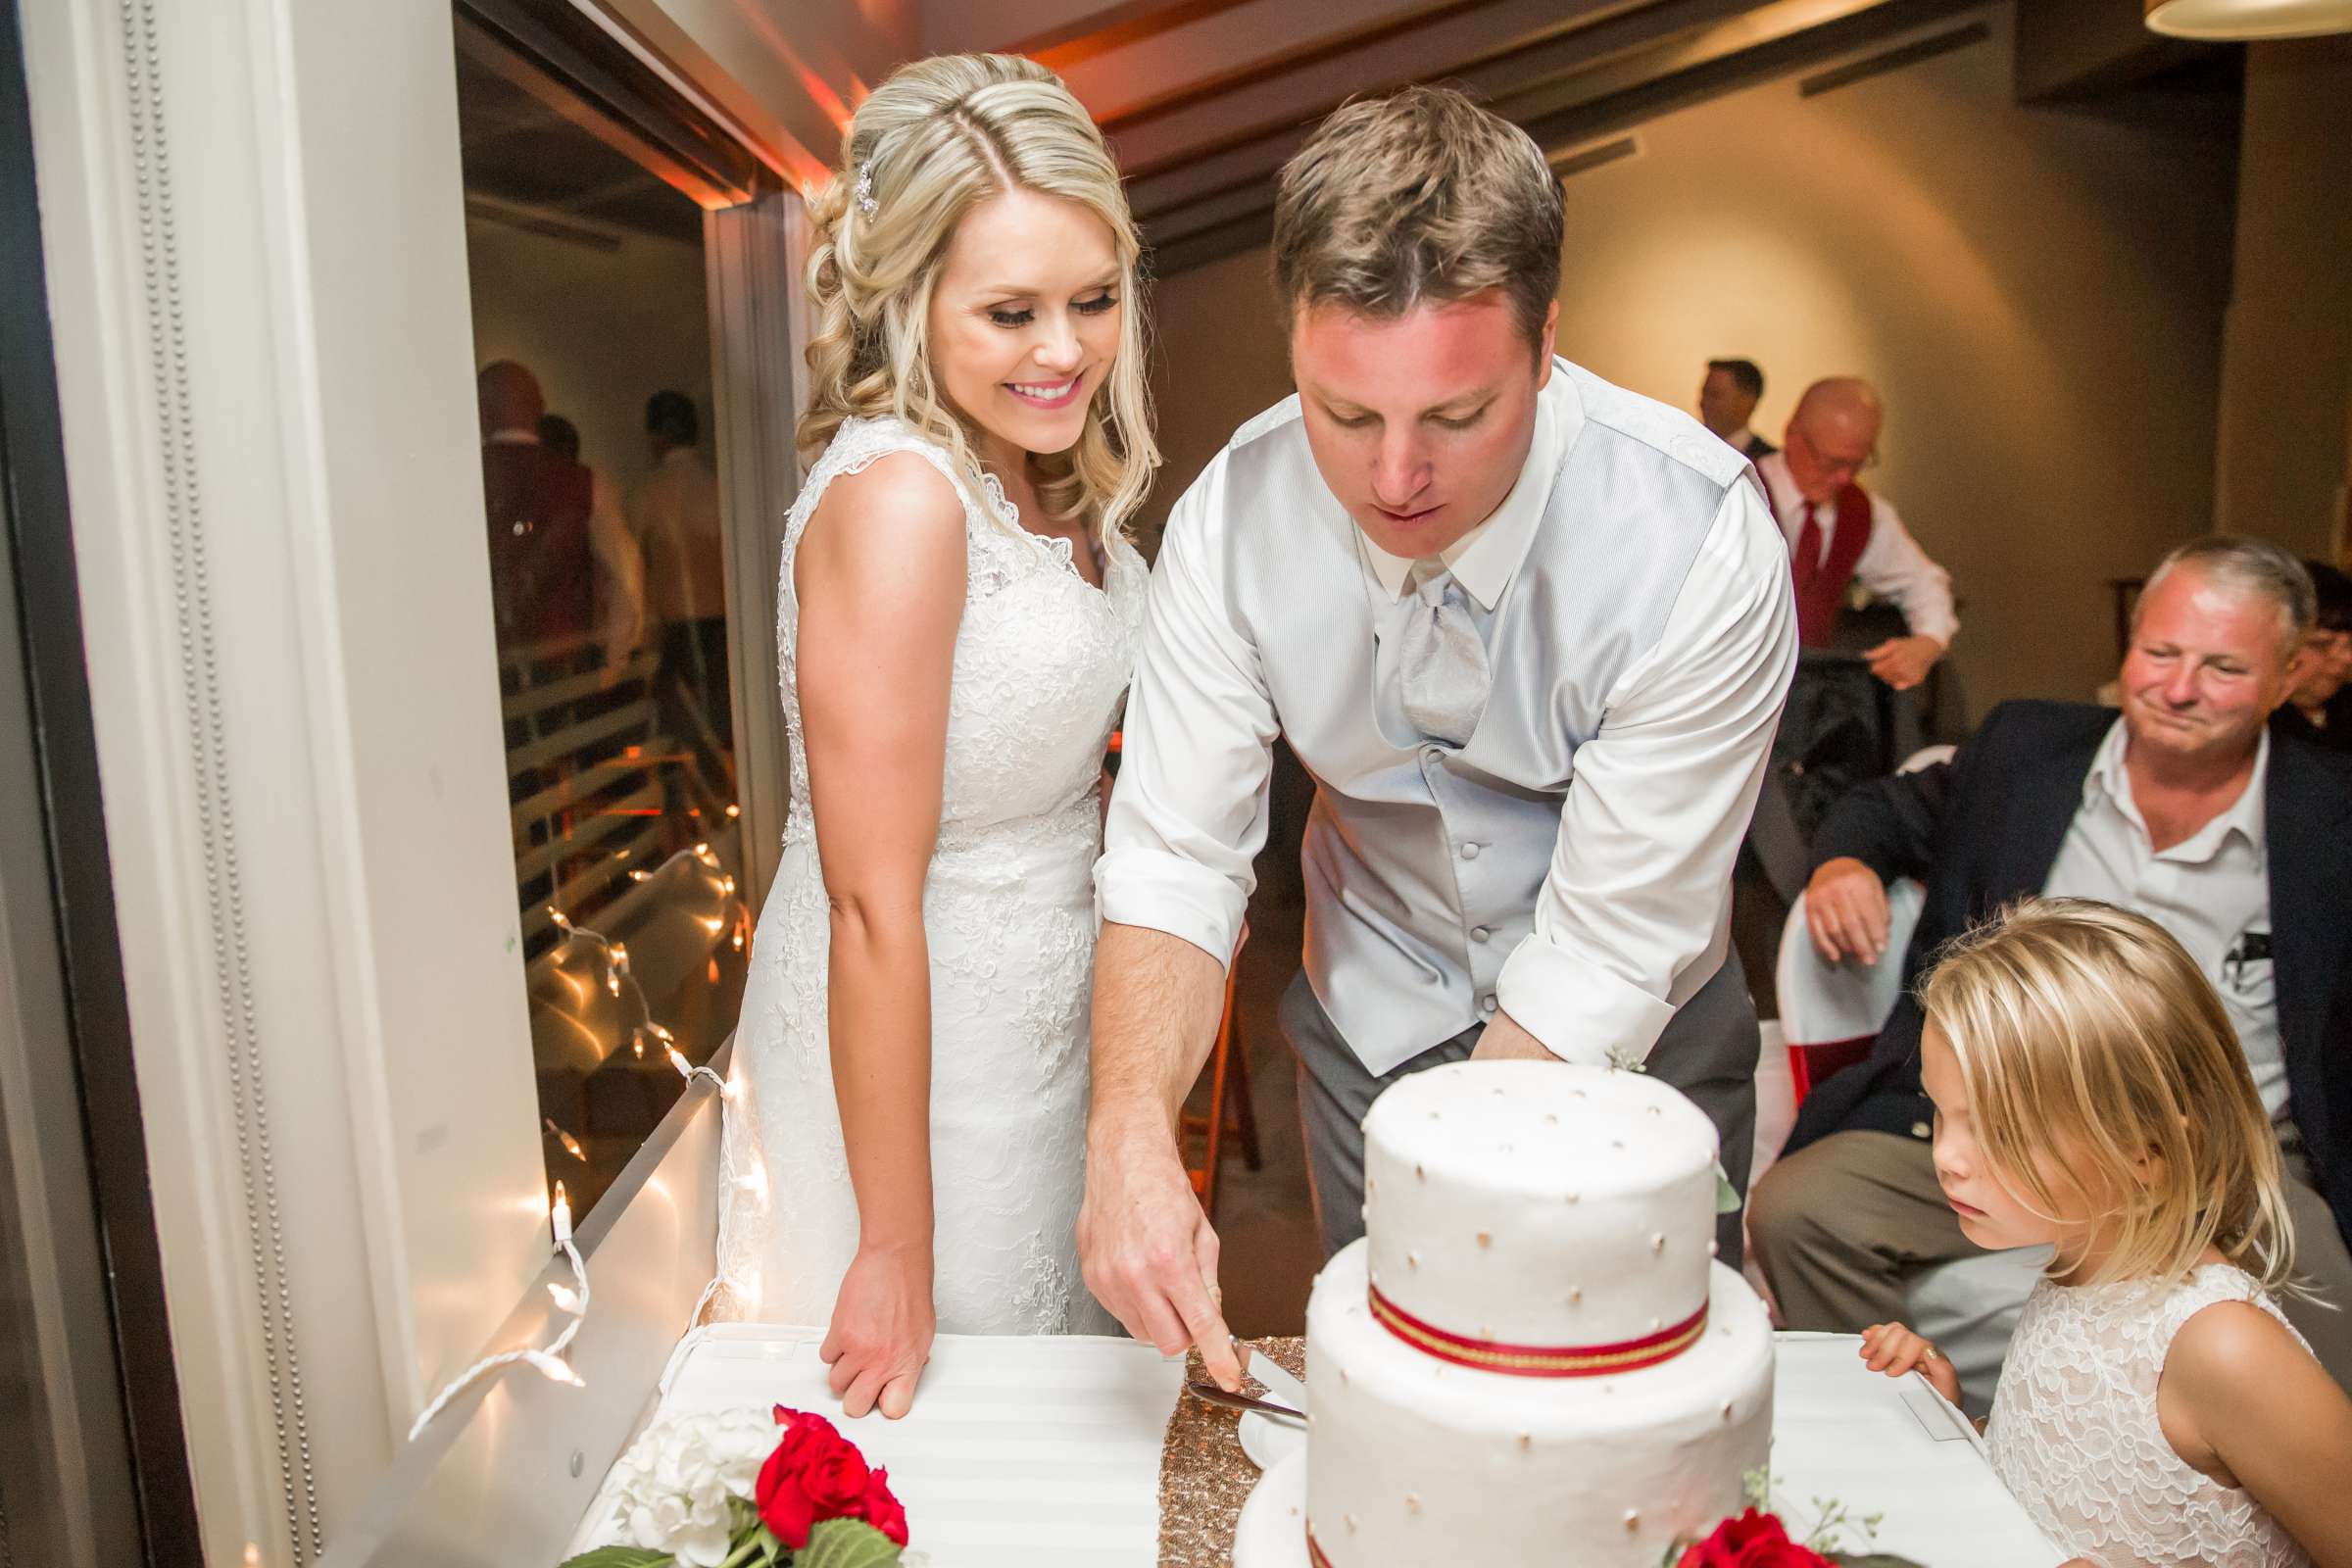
x,y
1419,423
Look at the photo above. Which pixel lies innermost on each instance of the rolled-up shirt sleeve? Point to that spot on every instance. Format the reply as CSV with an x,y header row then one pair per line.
x,y
1641,874
1189,814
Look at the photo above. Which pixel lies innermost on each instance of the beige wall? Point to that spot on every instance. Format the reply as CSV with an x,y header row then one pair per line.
x,y
2037,291
602,329
2287,379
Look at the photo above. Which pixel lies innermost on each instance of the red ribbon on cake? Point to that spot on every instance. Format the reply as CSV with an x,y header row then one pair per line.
x,y
1315,1553
1540,1360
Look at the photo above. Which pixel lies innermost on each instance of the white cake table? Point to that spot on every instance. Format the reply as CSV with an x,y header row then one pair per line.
x,y
1044,1453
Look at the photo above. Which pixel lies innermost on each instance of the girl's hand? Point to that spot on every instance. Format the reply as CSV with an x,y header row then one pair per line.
x,y
1893,1349
881,1331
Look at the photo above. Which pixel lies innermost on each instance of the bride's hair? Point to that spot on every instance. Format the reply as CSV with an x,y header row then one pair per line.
x,y
939,137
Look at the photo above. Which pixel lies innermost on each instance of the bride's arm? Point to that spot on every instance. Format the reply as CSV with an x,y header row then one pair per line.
x,y
880,580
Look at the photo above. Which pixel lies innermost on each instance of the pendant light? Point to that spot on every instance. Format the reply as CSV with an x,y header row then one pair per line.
x,y
2227,19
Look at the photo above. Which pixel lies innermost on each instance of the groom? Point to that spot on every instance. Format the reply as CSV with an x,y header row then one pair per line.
x,y
1529,632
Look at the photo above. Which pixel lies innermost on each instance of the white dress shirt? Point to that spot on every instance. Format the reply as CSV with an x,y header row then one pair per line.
x,y
620,573
1633,595
2210,891
679,523
1891,566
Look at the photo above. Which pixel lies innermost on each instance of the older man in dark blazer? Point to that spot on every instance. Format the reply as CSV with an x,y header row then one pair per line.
x,y
2187,809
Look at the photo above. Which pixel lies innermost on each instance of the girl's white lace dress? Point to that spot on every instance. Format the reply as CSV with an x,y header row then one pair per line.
x,y
1043,661
2074,1432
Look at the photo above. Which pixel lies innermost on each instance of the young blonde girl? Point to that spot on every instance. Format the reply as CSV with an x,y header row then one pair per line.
x,y
2155,1408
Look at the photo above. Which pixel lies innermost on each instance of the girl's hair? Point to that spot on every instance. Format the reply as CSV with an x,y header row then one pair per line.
x,y
2088,1042
939,137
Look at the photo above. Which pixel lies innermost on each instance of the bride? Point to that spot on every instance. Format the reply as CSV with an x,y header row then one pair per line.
x,y
956,617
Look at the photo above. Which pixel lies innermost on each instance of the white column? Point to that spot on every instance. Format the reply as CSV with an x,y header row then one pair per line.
x,y
257,276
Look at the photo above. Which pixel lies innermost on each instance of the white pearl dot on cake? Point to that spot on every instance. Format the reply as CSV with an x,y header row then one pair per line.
x,y
1371,1186
1486,1239
1632,1521
1526,1442
1655,1111
1413,1260
1418,1171
1727,1410
1576,1293
1658,1241
1551,1118
1656,1323
1617,1144
1714,1249
1412,1502
1571,1198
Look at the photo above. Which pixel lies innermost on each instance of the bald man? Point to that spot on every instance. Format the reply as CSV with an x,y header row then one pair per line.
x,y
562,563
1838,532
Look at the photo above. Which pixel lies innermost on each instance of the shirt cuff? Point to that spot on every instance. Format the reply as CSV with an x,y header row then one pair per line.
x,y
1164,892
1580,1011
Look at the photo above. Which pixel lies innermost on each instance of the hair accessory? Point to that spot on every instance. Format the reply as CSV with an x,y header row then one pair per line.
x,y
865,191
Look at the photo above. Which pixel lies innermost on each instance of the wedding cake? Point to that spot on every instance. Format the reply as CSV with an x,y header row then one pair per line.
x,y
1532,1357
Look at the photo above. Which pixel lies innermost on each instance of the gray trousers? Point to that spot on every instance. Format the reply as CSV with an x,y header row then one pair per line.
x,y
1708,1051
1843,1226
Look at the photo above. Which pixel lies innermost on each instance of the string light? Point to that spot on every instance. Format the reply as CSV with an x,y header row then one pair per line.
x,y
549,1362
571,1145
572,1299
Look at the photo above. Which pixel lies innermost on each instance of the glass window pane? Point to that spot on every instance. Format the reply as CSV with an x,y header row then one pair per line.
x,y
607,554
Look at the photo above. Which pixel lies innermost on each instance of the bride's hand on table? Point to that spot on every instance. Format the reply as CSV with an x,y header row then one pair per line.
x,y
1150,1255
880,1336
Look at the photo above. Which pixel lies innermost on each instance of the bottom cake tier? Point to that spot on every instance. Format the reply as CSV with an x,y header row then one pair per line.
x,y
1415,1460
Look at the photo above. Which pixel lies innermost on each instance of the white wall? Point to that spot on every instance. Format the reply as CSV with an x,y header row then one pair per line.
x,y
2038,293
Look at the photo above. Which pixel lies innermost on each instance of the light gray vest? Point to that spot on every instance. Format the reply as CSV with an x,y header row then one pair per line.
x,y
1407,924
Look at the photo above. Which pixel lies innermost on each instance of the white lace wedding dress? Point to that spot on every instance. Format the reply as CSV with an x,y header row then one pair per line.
x,y
1042,665
2075,1435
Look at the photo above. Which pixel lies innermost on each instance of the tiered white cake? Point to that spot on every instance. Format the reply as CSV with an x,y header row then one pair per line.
x,y
1532,1357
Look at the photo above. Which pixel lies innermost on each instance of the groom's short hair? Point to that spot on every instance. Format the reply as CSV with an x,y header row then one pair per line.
x,y
1421,196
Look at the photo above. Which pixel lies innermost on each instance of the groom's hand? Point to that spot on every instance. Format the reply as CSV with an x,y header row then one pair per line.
x,y
1503,1040
1147,1250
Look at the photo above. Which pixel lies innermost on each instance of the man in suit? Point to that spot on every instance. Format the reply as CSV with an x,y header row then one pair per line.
x,y
1727,401
2319,698
2187,809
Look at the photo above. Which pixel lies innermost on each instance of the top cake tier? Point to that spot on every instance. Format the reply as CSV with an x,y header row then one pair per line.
x,y
1540,1205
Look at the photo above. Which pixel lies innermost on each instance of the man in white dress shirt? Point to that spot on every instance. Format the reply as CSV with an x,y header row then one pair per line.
x,y
1838,532
1529,632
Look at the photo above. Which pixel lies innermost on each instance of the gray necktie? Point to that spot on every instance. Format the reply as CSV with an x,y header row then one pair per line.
x,y
1441,660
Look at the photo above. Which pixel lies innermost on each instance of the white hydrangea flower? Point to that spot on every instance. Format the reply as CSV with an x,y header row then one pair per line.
x,y
672,1490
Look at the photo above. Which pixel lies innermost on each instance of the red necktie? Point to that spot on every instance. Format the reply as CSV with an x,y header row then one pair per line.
x,y
1806,562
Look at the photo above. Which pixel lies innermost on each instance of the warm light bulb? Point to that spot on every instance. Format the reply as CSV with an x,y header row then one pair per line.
x,y
562,921
554,1369
734,811
677,1060
571,1145
565,1296
561,1215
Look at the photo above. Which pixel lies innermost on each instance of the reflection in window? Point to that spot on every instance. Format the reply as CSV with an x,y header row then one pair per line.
x,y
607,559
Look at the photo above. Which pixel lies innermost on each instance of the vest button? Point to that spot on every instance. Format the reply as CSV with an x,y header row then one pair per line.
x,y
1480,934
1920,1129
1487,1005
1469,852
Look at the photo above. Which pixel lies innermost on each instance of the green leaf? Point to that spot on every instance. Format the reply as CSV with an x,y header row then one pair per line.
x,y
845,1543
619,1557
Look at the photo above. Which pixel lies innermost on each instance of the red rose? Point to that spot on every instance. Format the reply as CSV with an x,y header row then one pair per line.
x,y
803,1475
882,1510
1752,1539
834,1479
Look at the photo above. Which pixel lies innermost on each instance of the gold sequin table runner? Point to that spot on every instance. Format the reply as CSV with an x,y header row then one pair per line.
x,y
1204,1478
